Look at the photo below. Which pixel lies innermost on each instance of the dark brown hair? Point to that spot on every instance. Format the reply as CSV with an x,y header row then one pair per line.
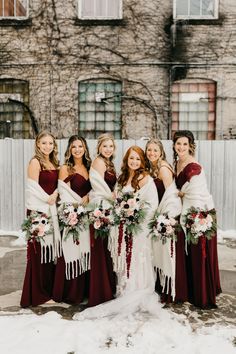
x,y
183,134
69,160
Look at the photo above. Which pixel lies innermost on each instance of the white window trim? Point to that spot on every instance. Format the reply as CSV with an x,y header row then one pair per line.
x,y
17,17
196,17
119,17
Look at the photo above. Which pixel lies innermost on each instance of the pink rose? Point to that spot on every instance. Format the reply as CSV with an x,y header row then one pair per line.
x,y
97,224
131,202
40,231
97,213
73,219
129,212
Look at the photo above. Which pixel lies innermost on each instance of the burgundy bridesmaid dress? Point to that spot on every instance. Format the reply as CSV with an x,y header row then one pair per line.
x,y
72,291
102,284
202,267
39,277
181,287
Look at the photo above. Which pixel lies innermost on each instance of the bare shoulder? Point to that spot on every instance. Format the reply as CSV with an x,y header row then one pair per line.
x,y
165,170
63,172
99,165
34,163
34,169
143,180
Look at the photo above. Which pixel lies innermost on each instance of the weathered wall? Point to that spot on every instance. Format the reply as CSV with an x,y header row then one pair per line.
x,y
146,51
54,52
207,50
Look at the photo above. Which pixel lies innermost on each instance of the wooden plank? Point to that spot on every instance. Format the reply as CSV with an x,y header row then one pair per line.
x,y
205,158
218,183
6,190
17,176
118,155
217,157
229,169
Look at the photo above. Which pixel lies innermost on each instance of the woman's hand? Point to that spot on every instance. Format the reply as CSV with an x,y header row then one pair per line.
x,y
85,200
181,194
53,198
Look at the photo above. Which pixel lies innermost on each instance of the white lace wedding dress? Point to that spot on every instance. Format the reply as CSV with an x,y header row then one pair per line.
x,y
137,291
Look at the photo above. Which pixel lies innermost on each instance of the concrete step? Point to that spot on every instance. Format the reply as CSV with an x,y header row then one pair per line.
x,y
13,263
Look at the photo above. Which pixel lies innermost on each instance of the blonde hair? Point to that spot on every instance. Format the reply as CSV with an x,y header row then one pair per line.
x,y
155,169
108,162
40,156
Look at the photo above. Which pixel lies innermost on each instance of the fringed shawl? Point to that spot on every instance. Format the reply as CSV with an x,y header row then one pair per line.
x,y
196,195
36,199
77,257
163,259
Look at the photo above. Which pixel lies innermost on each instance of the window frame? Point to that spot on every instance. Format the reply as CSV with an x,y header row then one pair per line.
x,y
99,97
16,17
16,90
196,87
102,18
195,17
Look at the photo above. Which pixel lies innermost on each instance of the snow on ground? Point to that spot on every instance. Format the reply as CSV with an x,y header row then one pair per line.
x,y
139,333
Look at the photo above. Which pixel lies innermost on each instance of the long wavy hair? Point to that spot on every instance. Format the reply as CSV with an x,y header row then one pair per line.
x,y
139,174
192,146
108,162
40,156
69,160
154,169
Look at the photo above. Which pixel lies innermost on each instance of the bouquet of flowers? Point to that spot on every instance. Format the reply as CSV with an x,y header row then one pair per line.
x,y
37,225
129,211
163,227
72,217
200,223
101,219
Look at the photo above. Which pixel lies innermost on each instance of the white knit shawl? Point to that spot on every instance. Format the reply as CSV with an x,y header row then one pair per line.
x,y
196,194
77,257
36,199
102,193
163,262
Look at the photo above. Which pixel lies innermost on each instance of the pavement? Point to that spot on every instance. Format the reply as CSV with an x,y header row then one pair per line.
x,y
12,268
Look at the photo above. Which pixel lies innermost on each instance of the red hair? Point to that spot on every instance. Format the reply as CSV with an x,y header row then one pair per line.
x,y
139,174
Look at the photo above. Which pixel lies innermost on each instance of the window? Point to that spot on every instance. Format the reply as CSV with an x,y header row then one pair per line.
x,y
100,9
99,108
13,8
195,9
193,108
14,121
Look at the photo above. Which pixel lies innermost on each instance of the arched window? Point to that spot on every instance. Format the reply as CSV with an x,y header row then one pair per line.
x,y
100,108
14,120
194,107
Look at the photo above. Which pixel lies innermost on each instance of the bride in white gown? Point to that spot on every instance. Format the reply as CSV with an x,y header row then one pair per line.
x,y
138,290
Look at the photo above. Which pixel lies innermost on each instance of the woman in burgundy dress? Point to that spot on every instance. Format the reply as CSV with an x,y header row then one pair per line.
x,y
163,176
43,172
202,259
74,173
102,174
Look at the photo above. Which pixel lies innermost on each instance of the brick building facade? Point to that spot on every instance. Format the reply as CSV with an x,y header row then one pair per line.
x,y
130,67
